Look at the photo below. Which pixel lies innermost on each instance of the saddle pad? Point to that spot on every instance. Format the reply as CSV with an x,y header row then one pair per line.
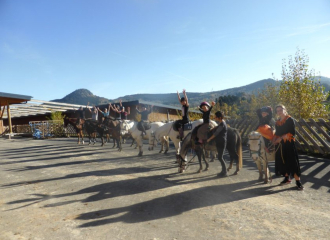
x,y
145,124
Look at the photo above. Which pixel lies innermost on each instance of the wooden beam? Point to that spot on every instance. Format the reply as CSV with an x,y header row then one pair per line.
x,y
9,119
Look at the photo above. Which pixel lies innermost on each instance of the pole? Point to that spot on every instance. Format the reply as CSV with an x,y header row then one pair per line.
x,y
9,120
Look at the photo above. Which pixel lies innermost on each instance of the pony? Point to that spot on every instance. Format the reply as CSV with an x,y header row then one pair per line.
x,y
113,128
77,127
260,156
128,126
160,136
92,127
234,148
168,129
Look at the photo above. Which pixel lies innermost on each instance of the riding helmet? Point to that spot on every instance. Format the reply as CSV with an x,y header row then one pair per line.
x,y
204,104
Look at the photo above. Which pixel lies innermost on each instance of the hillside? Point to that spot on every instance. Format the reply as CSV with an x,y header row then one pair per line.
x,y
82,96
195,97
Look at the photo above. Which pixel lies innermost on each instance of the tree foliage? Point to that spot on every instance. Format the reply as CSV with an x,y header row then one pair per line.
x,y
300,91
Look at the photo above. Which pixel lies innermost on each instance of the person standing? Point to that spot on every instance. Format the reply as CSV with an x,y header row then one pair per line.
x,y
286,157
220,136
184,109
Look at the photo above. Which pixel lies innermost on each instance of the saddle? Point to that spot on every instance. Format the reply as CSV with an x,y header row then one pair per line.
x,y
186,126
146,126
202,131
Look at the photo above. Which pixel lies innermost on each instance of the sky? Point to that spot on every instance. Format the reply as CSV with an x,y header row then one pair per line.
x,y
115,48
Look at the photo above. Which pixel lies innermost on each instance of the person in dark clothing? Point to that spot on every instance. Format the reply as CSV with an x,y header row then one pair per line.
x,y
117,111
286,157
202,130
144,118
265,115
266,125
220,136
184,109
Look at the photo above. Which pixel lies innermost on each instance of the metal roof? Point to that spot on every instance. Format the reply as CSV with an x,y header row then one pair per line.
x,y
34,107
37,107
10,98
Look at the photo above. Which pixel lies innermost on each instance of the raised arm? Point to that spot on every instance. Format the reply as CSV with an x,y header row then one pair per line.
x,y
109,107
179,96
185,96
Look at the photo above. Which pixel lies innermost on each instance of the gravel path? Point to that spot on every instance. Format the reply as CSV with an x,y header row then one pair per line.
x,y
56,189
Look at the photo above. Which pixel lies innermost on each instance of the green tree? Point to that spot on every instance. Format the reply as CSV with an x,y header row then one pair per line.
x,y
56,116
300,90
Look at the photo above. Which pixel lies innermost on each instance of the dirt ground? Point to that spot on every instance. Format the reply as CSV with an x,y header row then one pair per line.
x,y
56,189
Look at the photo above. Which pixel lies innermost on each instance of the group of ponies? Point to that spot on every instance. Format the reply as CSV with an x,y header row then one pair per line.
x,y
109,127
162,133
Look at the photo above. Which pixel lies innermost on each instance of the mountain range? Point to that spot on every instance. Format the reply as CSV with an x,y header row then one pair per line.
x,y
83,96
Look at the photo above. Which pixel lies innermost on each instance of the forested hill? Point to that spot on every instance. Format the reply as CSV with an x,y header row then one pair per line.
x,y
82,96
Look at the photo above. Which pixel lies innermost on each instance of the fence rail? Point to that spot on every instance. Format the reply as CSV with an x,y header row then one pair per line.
x,y
312,136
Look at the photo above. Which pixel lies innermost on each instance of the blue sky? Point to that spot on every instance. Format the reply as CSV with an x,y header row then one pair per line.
x,y
121,47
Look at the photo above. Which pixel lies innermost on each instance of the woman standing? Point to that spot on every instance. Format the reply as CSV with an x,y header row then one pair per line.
x,y
286,157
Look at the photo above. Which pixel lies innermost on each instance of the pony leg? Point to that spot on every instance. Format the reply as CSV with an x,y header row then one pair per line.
x,y
258,163
266,170
207,164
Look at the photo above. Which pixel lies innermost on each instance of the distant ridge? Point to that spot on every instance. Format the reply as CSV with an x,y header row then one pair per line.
x,y
83,96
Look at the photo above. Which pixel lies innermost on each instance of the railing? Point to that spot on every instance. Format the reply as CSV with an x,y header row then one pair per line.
x,y
312,136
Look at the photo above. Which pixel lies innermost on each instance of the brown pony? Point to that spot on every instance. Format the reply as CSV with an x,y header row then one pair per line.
x,y
78,127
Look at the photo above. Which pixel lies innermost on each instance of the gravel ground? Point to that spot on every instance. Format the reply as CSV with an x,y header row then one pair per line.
x,y
56,189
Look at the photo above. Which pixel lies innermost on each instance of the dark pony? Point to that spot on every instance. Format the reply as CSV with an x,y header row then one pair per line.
x,y
234,148
78,127
113,128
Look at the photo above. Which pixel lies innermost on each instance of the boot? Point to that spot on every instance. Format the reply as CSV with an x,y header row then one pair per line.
x,y
299,185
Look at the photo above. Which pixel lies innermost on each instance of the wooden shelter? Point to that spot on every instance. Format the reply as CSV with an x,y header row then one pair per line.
x,y
7,99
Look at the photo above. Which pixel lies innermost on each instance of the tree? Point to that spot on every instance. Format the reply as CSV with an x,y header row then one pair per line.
x,y
268,96
300,90
56,116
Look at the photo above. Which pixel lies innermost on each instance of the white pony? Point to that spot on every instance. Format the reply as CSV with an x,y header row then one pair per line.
x,y
160,136
259,155
168,131
128,126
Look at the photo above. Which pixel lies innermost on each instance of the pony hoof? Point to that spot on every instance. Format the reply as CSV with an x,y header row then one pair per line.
x,y
265,182
222,174
235,173
160,151
180,170
199,171
206,169
165,152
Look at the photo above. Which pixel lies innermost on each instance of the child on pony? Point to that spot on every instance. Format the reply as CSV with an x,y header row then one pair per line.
x,y
265,126
200,132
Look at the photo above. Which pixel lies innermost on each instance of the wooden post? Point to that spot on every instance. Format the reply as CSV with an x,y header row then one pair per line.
x,y
9,120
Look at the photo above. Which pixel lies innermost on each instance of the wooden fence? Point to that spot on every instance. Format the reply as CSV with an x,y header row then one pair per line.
x,y
312,136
